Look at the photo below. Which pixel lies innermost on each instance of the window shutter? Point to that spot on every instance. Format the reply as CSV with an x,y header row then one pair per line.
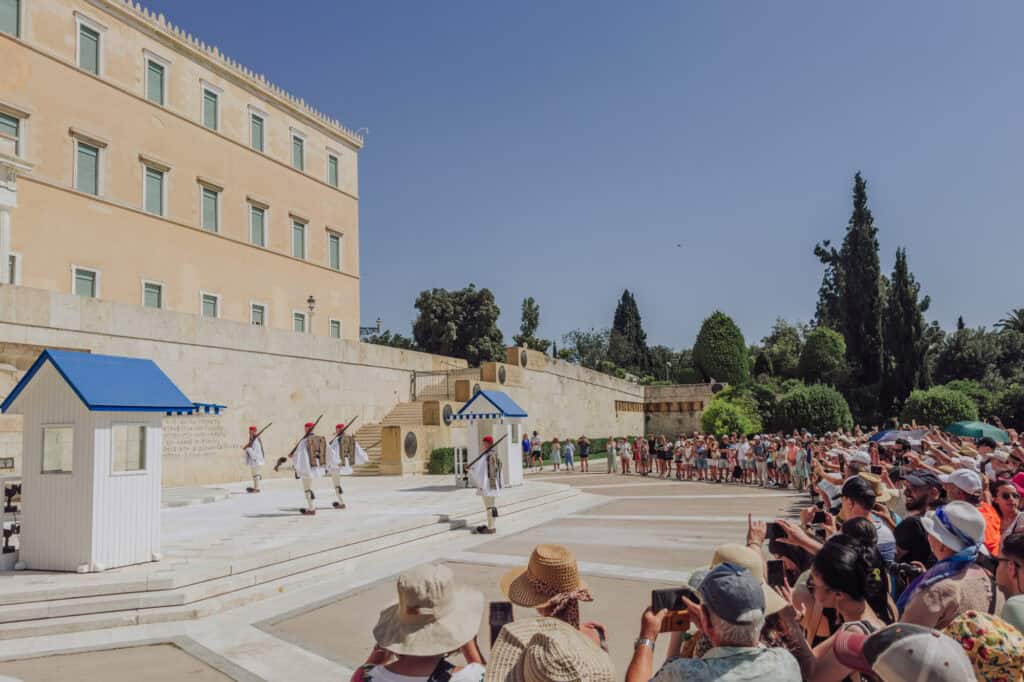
x,y
154,191
155,82
89,49
87,174
10,17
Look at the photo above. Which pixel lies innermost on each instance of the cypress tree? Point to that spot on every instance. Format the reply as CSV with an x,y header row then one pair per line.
x,y
628,344
904,336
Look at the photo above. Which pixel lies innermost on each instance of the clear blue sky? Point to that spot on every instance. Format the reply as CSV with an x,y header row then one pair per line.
x,y
563,149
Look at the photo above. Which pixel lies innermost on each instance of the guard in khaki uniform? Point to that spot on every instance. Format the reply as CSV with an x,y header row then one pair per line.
x,y
308,461
486,476
254,458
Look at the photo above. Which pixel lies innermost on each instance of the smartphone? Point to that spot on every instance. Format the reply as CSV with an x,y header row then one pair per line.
x,y
774,531
776,573
820,504
819,517
876,469
678,618
501,614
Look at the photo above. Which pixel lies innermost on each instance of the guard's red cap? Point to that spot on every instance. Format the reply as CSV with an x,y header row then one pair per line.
x,y
488,439
310,425
253,428
338,427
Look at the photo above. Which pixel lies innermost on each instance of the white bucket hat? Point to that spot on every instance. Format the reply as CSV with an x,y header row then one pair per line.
x,y
432,617
956,525
965,479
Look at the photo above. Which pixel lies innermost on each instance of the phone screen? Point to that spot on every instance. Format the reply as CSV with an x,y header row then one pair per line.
x,y
774,531
500,615
819,517
876,469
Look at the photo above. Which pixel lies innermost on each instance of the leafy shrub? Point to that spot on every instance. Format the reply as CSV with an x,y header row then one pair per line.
x,y
720,351
985,399
818,408
938,406
1010,407
442,461
724,416
824,356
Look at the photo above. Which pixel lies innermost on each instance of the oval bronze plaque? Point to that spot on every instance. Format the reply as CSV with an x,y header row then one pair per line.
x,y
522,358
501,374
447,414
410,444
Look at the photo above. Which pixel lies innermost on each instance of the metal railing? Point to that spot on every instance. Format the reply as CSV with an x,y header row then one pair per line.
x,y
439,384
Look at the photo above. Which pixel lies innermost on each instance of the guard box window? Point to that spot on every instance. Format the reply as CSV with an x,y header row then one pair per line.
x,y
58,448
129,448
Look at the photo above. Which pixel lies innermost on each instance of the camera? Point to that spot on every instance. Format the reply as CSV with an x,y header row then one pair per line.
x,y
906,571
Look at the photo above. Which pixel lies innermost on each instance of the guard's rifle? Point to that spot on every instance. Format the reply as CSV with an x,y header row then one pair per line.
x,y
347,424
465,472
282,460
257,435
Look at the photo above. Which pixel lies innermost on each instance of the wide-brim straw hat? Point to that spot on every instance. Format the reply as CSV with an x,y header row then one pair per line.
x,y
745,557
882,492
551,570
547,650
432,617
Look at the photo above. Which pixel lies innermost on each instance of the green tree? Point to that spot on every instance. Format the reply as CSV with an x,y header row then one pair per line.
x,y
389,338
588,348
462,323
528,327
986,400
783,347
824,356
628,341
938,407
968,354
904,351
723,417
818,408
763,365
1013,322
720,353
1010,407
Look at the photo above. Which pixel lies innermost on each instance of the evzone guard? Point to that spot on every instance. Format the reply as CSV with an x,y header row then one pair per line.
x,y
342,451
485,473
308,461
254,457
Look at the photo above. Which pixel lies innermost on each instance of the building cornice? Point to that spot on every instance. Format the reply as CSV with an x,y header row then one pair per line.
x,y
185,43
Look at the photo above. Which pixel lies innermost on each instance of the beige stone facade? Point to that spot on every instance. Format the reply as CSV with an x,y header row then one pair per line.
x,y
138,154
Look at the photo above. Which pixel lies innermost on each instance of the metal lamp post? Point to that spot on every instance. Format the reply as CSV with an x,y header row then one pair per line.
x,y
311,302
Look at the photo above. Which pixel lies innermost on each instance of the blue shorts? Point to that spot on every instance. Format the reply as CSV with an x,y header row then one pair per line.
x,y
702,463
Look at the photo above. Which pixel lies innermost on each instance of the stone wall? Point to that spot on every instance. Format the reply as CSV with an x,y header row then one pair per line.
x,y
673,410
266,375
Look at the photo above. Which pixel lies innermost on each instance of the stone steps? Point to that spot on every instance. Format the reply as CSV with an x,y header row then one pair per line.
x,y
369,434
128,603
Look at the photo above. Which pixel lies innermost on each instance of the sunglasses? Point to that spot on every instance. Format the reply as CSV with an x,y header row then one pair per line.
x,y
1009,496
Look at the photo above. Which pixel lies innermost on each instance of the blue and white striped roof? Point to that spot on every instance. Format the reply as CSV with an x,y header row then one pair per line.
x,y
493,405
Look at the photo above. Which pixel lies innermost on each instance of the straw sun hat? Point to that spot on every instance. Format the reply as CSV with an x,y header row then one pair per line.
x,y
546,650
432,617
551,571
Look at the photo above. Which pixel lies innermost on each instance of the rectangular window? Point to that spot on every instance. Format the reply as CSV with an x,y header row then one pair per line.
x,y
298,153
58,449
210,305
129,448
298,239
299,322
334,250
87,169
154,82
12,269
11,126
10,17
332,170
153,295
335,329
154,199
85,283
88,49
256,132
210,109
210,201
258,315
257,226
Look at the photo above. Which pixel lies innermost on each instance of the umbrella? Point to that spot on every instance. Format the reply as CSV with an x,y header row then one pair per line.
x,y
977,430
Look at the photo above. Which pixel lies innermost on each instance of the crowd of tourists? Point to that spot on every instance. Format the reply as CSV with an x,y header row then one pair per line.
x,y
906,564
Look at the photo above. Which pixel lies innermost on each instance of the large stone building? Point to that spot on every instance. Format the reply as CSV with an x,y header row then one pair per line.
x,y
153,170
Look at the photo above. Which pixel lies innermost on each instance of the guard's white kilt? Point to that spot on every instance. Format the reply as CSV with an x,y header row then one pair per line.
x,y
302,465
481,481
254,454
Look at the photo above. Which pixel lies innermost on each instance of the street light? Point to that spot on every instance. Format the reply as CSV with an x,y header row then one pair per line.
x,y
668,369
311,302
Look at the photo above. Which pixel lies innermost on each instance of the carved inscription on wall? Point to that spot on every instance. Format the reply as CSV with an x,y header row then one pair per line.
x,y
194,436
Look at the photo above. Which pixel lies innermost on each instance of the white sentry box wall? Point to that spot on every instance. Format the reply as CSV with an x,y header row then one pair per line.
x,y
92,518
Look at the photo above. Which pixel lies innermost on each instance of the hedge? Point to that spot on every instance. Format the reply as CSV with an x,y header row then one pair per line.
x,y
442,461
818,408
723,417
938,406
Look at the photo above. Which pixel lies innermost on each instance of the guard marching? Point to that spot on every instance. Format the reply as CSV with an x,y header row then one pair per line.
x,y
339,453
308,461
486,476
254,458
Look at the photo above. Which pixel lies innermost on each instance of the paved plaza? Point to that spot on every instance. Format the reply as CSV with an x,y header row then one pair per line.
x,y
306,591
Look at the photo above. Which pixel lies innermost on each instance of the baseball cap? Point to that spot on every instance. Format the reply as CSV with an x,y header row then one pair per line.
x,y
732,592
965,479
904,651
921,479
745,557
